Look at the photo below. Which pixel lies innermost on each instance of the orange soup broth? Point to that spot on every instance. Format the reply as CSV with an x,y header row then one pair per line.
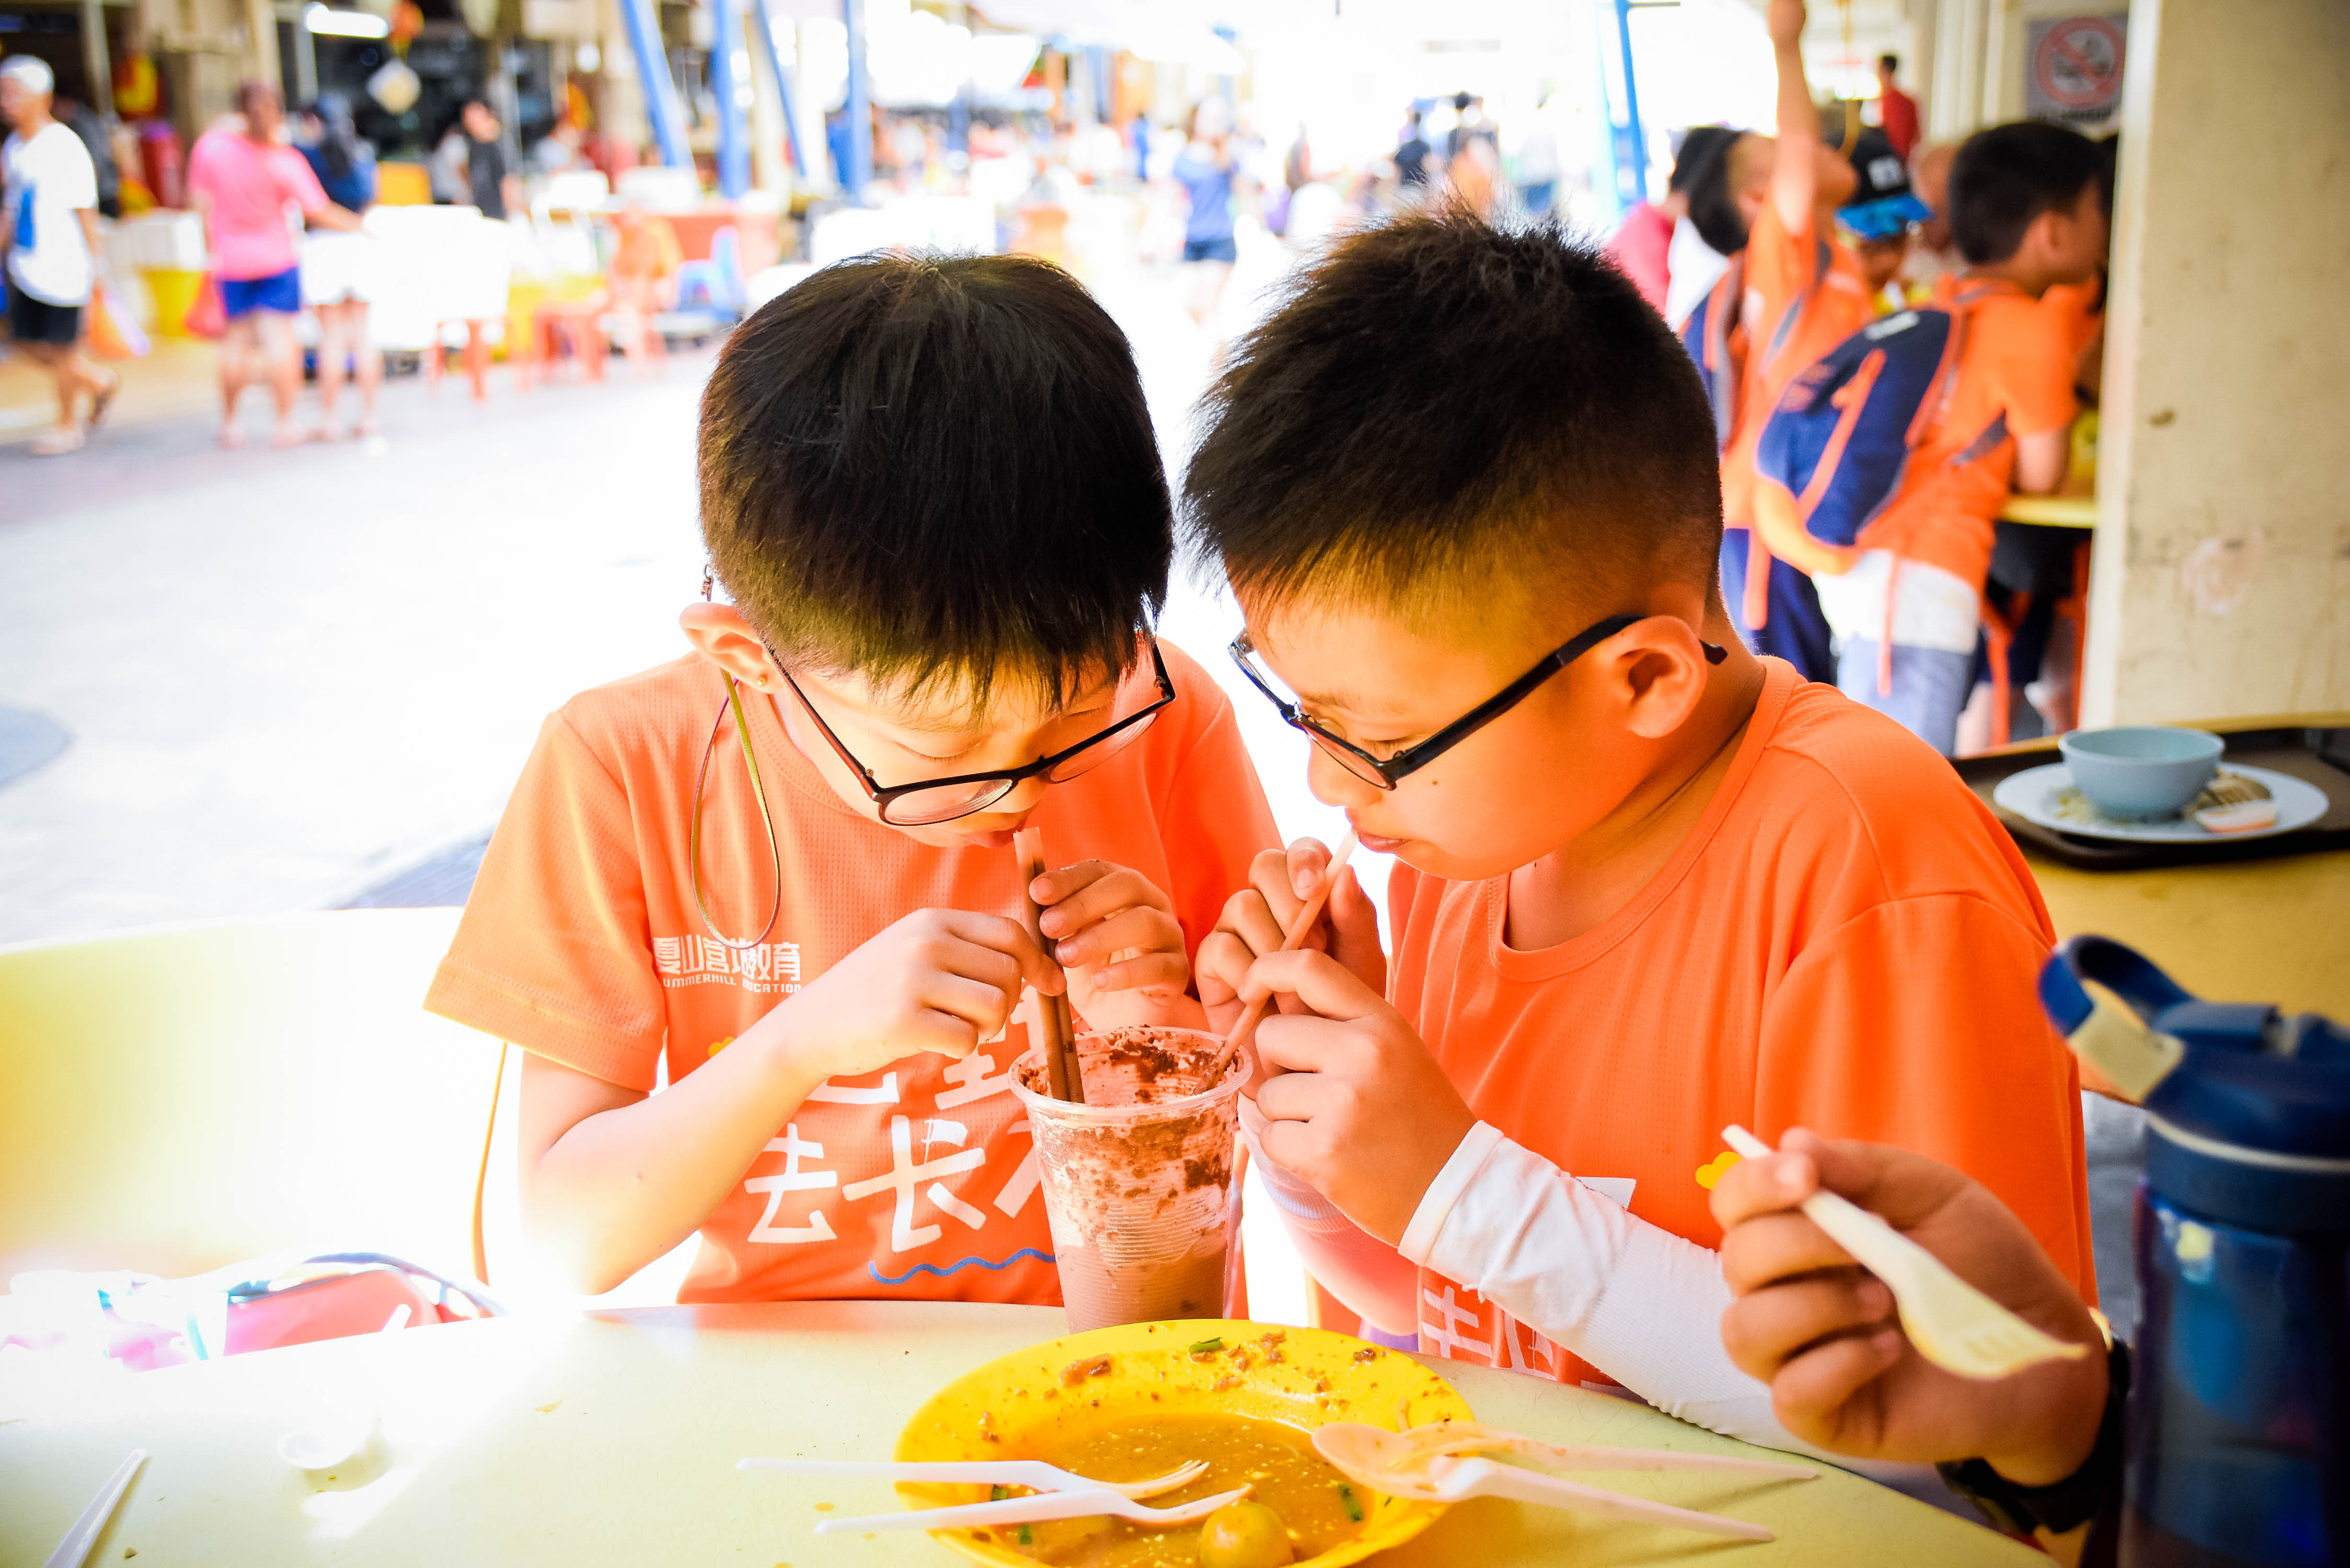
x,y
1317,1506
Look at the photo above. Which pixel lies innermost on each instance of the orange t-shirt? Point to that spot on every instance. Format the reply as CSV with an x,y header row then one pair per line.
x,y
1783,274
1847,941
581,942
2017,366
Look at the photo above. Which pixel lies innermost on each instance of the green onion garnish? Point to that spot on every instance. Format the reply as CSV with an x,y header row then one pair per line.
x,y
1028,1536
1208,1346
1354,1508
998,1493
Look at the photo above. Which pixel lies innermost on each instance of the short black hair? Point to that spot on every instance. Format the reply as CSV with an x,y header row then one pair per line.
x,y
926,470
1438,397
1890,62
2006,176
1698,143
1713,209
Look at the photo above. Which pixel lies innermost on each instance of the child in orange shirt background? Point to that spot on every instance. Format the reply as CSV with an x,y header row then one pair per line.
x,y
2027,208
778,871
1798,292
1649,883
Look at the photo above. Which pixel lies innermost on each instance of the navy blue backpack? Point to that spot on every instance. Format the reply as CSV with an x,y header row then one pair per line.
x,y
1842,438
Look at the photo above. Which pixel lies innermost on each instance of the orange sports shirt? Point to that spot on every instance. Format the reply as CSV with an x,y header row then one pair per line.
x,y
2018,364
581,942
1783,274
1847,941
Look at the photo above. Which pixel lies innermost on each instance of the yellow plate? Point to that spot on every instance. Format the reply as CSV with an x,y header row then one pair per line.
x,y
1322,1378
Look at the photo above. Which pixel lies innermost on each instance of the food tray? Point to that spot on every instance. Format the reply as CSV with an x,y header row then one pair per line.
x,y
2317,754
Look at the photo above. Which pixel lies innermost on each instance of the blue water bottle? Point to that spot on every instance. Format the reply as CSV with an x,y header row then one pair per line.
x,y
2240,1404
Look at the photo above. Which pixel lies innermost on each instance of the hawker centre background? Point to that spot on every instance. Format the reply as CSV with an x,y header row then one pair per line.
x,y
2220,572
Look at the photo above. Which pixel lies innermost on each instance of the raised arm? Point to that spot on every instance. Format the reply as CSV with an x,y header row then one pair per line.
x,y
1795,175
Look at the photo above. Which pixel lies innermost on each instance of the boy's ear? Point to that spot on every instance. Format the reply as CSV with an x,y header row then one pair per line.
x,y
1662,661
720,635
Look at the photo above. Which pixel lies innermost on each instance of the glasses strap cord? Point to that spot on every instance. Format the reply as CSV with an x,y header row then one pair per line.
x,y
766,820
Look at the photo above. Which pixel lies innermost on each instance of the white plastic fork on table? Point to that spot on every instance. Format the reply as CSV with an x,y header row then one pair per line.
x,y
1449,1438
1953,1324
1395,1464
1037,1509
983,1472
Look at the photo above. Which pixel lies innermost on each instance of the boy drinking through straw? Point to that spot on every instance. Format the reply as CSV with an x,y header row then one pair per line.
x,y
1463,484
780,866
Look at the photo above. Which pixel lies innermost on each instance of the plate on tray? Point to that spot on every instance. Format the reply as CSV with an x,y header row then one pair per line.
x,y
2032,795
1046,1401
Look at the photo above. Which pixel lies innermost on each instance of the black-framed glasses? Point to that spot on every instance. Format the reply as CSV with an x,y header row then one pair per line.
x,y
935,800
1386,773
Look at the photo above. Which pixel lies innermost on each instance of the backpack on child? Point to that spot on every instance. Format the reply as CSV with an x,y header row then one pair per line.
x,y
1844,442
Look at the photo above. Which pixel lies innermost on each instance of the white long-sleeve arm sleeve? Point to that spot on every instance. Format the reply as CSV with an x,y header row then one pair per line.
x,y
1630,1297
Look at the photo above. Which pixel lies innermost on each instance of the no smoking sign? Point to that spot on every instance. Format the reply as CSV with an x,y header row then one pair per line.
x,y
2076,69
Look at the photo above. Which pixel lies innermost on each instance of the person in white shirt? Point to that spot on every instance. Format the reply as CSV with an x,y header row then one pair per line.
x,y
48,233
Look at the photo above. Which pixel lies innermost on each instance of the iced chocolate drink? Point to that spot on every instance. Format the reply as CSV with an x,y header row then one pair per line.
x,y
1136,1180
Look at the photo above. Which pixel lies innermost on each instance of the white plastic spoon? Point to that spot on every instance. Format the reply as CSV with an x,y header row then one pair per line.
x,y
1953,1324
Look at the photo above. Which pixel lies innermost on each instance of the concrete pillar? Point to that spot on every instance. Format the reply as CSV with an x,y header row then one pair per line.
x,y
261,52
2221,585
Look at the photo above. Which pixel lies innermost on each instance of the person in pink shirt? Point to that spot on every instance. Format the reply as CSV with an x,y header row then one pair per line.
x,y
1641,246
242,178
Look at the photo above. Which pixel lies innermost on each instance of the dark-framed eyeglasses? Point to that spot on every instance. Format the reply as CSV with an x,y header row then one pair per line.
x,y
1387,772
934,800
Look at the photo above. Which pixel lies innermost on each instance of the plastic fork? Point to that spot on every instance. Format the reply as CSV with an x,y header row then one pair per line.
x,y
1037,1509
1394,1464
1953,1324
983,1472
1449,1437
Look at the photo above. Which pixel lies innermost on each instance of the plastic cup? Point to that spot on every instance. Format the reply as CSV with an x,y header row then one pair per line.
x,y
1138,1180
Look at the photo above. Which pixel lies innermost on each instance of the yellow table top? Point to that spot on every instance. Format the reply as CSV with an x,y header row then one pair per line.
x,y
2242,930
612,1439
2052,511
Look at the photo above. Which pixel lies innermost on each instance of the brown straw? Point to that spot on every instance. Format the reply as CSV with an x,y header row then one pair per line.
x,y
1245,1030
1065,1079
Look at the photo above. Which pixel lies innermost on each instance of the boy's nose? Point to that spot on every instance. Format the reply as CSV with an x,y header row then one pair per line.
x,y
1333,783
1021,801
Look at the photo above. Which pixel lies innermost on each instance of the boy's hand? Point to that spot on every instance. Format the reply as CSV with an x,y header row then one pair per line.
x,y
1116,935
939,980
1356,1104
1809,1322
1280,881
1787,22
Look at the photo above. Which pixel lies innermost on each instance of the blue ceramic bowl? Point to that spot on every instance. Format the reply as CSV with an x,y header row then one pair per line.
x,y
2141,771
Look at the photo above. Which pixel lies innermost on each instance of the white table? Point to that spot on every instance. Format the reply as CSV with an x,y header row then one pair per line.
x,y
612,1438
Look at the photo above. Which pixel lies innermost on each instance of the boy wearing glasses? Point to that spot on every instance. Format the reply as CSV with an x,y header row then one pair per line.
x,y
1464,487
781,866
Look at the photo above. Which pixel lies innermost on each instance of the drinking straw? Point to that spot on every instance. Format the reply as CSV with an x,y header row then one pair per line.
x,y
1245,1030
1065,1079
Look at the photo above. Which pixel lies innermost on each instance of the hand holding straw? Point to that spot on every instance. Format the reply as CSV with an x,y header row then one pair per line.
x,y
1063,1078
1244,1027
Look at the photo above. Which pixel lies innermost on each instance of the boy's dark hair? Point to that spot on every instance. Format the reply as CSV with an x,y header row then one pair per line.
x,y
1713,208
1890,62
2006,176
937,469
1437,395
1698,143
